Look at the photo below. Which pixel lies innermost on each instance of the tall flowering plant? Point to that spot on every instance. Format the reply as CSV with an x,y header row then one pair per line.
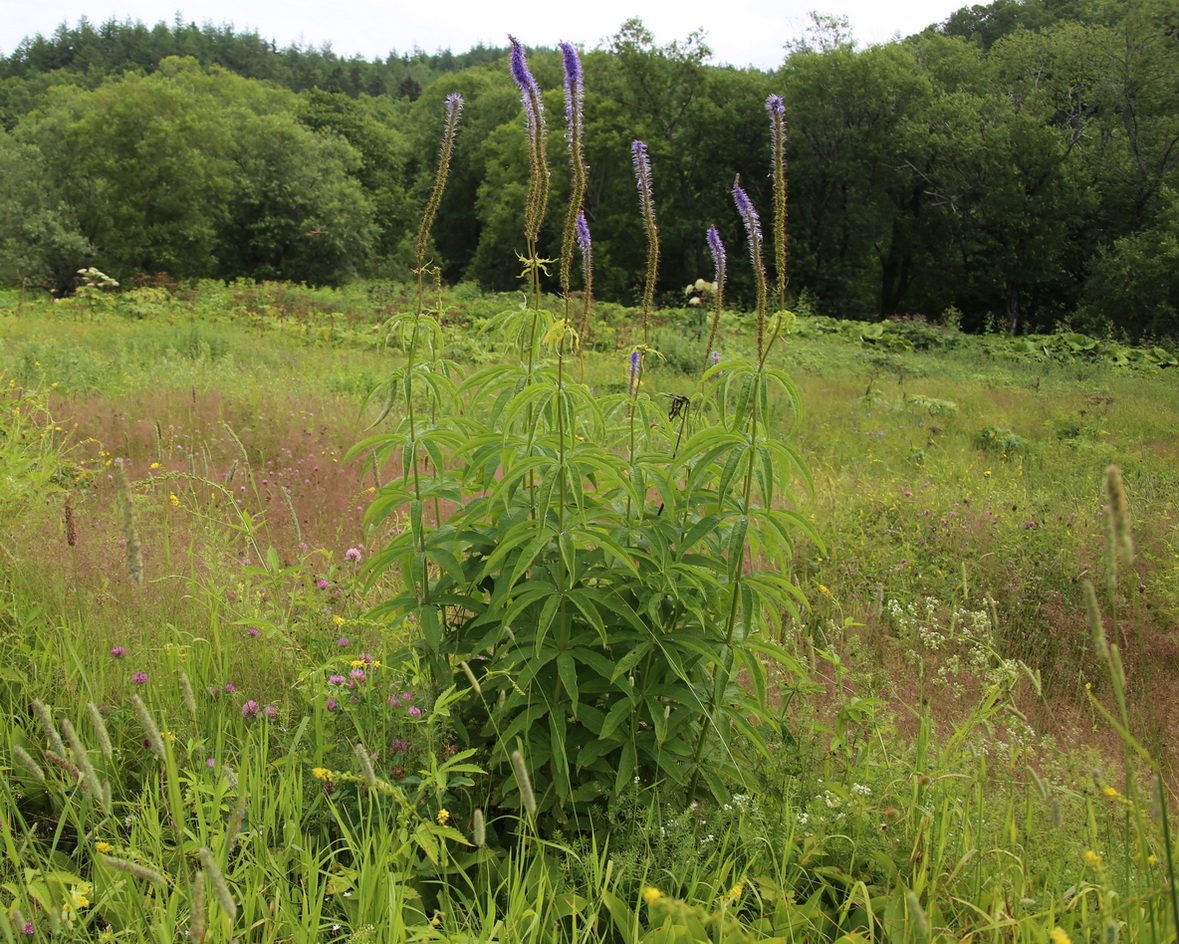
x,y
606,583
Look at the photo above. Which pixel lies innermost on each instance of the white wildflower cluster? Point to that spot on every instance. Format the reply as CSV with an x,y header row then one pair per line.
x,y
963,638
699,291
96,278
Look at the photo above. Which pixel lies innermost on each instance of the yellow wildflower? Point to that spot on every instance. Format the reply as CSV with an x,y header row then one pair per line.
x,y
338,620
321,773
988,472
823,589
652,895
1092,859
1152,860
735,893
1059,935
103,847
154,465
1111,793
358,663
443,816
174,500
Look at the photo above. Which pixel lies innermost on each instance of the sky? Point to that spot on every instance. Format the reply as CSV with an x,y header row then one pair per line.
x,y
740,32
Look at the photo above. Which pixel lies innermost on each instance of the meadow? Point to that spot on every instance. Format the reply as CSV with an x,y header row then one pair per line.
x,y
408,612
182,526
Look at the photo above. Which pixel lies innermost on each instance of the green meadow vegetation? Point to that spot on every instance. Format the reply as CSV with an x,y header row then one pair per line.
x,y
406,612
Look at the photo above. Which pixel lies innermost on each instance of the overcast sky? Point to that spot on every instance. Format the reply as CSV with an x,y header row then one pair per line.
x,y
740,32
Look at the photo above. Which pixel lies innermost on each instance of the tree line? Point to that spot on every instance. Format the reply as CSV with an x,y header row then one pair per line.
x,y
1013,167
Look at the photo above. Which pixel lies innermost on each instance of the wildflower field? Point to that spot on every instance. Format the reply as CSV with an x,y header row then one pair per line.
x,y
412,613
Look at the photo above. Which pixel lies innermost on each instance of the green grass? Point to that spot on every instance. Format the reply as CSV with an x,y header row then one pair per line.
x,y
949,770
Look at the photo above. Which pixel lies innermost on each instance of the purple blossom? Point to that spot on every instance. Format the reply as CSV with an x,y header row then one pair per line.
x,y
270,711
252,631
719,259
250,709
229,688
399,745
574,87
139,678
331,704
341,642
715,357
777,109
211,763
636,363
357,675
352,554
748,216
337,680
407,697
454,106
394,700
118,652
643,178
529,90
415,711
583,236
27,928
322,583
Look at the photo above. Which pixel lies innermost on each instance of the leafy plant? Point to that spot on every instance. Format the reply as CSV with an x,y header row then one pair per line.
x,y
598,572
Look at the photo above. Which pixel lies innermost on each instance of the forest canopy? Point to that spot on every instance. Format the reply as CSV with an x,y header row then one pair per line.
x,y
1013,167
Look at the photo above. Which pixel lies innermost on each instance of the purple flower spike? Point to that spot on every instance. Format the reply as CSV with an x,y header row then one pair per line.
x,y
583,234
529,90
719,259
636,363
574,86
643,175
748,215
775,106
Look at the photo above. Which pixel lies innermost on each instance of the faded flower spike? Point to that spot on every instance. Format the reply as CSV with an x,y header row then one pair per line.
x,y
454,108
647,205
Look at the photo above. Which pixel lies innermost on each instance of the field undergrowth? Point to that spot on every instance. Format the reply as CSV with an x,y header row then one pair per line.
x,y
184,543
